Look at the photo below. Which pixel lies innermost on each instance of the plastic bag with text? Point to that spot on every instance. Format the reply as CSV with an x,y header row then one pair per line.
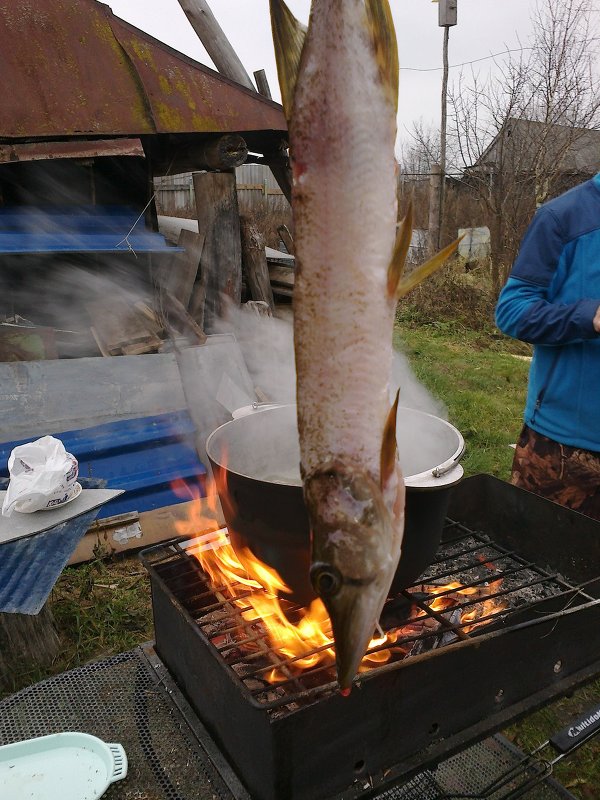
x,y
42,476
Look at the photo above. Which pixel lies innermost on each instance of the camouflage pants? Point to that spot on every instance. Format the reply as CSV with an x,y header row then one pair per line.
x,y
567,475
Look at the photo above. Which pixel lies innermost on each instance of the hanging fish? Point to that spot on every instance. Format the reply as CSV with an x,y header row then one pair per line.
x,y
339,84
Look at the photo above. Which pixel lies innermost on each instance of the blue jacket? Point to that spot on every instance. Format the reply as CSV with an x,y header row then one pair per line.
x,y
550,300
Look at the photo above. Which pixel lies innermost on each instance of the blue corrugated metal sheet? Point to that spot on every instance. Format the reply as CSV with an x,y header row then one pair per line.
x,y
93,229
30,567
143,456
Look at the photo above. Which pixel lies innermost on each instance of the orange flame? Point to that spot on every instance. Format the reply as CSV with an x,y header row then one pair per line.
x,y
301,636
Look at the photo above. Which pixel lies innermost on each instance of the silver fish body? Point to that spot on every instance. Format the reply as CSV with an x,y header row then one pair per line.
x,y
339,81
342,135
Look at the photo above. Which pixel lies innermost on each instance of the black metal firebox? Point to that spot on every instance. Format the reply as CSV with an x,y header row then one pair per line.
x,y
448,684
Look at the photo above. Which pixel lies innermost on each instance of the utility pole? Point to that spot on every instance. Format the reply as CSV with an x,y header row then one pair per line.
x,y
448,17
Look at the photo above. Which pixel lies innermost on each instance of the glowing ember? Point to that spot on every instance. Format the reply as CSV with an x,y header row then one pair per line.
x,y
300,636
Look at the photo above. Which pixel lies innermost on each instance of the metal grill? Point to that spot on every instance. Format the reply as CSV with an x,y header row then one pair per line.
x,y
118,700
473,585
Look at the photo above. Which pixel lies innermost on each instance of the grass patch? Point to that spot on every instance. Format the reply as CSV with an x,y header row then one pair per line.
x,y
100,609
482,387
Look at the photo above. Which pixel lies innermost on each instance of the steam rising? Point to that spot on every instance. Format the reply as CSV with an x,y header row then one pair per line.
x,y
267,449
268,347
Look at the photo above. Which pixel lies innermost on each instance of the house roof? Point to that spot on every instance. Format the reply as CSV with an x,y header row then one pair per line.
x,y
76,70
575,150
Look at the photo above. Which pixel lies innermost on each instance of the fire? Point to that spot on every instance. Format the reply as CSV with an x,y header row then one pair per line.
x,y
306,639
301,637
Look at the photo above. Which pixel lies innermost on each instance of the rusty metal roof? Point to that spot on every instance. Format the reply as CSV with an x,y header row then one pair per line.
x,y
75,69
44,151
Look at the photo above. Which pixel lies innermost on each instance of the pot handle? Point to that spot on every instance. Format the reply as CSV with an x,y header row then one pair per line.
x,y
446,466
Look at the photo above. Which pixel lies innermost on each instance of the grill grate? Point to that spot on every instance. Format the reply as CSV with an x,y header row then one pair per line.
x,y
118,700
473,585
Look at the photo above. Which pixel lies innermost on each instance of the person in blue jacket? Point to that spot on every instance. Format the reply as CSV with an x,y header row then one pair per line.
x,y
552,300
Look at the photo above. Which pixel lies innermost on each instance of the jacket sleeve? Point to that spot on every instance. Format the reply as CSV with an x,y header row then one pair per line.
x,y
523,310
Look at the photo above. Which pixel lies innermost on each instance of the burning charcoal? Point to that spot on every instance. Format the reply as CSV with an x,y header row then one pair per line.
x,y
395,612
241,669
448,637
254,685
214,623
438,639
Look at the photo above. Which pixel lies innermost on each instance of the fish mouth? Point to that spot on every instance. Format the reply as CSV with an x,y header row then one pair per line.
x,y
354,615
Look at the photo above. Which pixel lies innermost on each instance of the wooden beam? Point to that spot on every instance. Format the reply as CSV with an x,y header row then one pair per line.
x,y
221,263
260,76
227,152
215,42
254,261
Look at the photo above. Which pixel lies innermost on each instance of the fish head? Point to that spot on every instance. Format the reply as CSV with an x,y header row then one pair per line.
x,y
352,557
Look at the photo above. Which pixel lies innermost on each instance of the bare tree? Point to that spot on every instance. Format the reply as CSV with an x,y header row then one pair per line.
x,y
520,137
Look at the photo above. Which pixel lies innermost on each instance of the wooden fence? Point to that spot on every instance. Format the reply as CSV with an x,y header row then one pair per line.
x,y
259,194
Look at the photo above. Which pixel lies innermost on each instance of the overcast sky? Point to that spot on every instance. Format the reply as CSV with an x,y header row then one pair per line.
x,y
484,27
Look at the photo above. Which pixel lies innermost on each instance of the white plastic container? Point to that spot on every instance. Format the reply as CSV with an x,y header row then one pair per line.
x,y
62,766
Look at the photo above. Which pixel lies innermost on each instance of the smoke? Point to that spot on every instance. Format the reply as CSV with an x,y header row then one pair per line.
x,y
267,344
267,347
412,393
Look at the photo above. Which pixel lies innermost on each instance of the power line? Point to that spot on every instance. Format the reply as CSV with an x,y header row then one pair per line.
x,y
466,63
483,58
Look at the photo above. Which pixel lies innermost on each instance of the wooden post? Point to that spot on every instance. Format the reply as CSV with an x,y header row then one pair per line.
x,y
260,76
26,641
254,261
435,180
221,263
215,42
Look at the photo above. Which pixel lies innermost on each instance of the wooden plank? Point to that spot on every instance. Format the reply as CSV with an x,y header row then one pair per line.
x,y
281,275
254,262
129,532
286,238
178,276
262,83
117,325
221,262
282,291
151,345
179,319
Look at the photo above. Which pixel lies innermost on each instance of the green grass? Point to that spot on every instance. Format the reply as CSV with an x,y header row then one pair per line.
x,y
100,609
481,382
103,608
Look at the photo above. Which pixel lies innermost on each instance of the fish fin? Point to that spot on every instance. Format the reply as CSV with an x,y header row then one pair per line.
x,y
288,37
396,268
408,283
383,34
388,445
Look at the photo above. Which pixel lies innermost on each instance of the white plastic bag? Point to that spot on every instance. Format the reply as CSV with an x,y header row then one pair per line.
x,y
42,475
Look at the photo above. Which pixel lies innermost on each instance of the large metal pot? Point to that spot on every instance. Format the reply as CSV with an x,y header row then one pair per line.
x,y
255,460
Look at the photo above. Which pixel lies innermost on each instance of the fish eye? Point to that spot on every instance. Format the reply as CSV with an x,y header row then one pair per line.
x,y
326,580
